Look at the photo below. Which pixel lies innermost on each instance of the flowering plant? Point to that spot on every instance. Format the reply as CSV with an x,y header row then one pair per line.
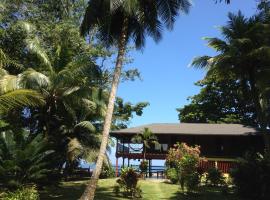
x,y
185,159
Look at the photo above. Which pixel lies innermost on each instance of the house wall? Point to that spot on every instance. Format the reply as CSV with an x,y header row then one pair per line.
x,y
211,146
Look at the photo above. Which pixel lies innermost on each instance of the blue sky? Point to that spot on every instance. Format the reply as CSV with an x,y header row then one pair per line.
x,y
167,78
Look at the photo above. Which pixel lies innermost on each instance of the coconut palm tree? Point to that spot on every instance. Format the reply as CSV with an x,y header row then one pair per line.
x,y
117,23
146,137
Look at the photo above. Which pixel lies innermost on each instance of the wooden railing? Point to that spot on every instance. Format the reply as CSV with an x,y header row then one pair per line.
x,y
223,164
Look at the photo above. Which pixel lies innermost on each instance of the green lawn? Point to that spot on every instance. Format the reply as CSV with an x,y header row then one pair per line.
x,y
152,190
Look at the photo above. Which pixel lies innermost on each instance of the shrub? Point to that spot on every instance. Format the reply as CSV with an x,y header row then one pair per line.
x,y
192,181
107,171
252,176
25,193
172,175
143,166
185,160
23,160
214,177
128,182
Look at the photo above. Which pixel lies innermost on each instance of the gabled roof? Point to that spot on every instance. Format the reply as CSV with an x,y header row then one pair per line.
x,y
191,129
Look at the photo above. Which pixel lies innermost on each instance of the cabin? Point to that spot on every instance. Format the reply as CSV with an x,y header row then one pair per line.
x,y
220,144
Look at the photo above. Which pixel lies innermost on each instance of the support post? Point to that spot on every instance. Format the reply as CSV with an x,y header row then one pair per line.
x,y
116,168
128,162
149,168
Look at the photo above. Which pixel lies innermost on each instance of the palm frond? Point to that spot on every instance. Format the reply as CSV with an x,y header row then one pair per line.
x,y
137,139
74,149
201,62
32,79
217,44
20,98
169,10
86,125
34,47
8,82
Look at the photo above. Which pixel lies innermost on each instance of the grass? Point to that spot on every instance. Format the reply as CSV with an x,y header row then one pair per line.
x,y
152,190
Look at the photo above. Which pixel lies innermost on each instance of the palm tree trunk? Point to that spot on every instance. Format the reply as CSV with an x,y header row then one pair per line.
x,y
89,192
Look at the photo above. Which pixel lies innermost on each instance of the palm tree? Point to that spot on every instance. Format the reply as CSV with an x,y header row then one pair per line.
x,y
68,81
146,137
118,22
244,52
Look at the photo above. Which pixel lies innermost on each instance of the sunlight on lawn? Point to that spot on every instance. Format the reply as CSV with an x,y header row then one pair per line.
x,y
152,190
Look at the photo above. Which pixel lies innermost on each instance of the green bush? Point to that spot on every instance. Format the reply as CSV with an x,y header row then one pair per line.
x,y
25,193
172,175
192,181
23,160
143,166
214,177
252,176
128,182
107,172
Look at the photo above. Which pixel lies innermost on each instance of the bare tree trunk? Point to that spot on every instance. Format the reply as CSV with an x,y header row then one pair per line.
x,y
89,192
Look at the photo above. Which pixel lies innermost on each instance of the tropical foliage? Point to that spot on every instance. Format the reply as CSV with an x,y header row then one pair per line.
x,y
27,193
24,159
214,177
219,101
251,176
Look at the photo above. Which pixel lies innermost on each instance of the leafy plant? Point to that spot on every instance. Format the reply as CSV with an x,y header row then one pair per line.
x,y
214,177
143,165
24,159
128,182
24,193
192,180
107,171
252,176
172,175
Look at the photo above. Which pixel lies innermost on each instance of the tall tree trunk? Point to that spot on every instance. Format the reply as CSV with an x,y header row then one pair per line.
x,y
89,192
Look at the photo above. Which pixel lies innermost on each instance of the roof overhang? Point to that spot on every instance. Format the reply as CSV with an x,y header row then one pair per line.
x,y
200,129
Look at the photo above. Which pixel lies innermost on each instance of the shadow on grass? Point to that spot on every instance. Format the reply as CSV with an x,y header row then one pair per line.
x,y
72,191
204,193
63,192
103,193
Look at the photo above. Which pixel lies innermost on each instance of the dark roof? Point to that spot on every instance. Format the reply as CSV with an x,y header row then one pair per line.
x,y
191,129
